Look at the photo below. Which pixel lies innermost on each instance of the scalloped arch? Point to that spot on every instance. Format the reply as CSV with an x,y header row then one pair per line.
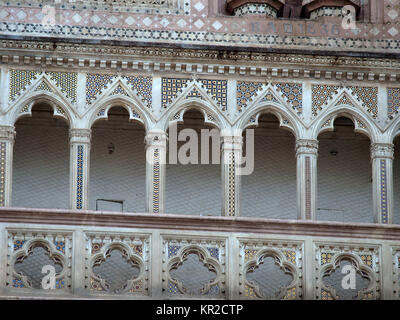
x,y
194,103
52,99
350,112
277,110
127,103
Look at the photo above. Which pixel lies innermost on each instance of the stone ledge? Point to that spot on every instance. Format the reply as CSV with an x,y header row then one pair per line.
x,y
199,223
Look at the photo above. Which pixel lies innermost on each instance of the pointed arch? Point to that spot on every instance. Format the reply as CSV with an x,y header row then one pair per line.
x,y
61,107
137,112
286,120
211,116
361,122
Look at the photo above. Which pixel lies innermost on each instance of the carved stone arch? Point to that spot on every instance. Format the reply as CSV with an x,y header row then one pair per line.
x,y
26,250
135,110
279,258
211,117
393,131
286,120
61,108
362,123
127,253
204,256
357,263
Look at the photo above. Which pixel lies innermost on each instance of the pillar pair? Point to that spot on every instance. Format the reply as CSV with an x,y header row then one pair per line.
x,y
156,142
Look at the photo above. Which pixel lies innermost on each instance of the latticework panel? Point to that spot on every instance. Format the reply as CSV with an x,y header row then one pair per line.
x,y
347,272
271,270
117,264
194,268
31,255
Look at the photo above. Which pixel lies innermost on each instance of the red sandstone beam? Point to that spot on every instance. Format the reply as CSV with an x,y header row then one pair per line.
x,y
197,223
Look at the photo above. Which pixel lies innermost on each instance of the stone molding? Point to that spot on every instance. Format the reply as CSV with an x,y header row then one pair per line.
x,y
382,150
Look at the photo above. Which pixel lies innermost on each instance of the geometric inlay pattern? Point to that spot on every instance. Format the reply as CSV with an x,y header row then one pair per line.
x,y
67,82
293,93
344,100
369,98
171,87
143,86
393,98
19,80
95,84
217,89
245,93
321,94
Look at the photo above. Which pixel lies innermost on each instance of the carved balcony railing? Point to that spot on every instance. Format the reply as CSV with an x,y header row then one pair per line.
x,y
105,255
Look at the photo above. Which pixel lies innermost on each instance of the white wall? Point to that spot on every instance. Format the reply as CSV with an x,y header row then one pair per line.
x,y
121,175
345,180
41,164
270,191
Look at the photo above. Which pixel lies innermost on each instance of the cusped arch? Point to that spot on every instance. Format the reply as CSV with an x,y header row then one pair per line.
x,y
361,122
61,109
211,116
286,120
135,110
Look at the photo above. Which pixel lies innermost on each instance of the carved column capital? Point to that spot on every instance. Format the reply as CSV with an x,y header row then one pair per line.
x,y
307,146
80,135
382,150
156,138
7,133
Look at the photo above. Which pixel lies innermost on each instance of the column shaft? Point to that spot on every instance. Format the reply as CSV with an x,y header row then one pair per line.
x,y
79,168
7,136
382,180
156,150
307,154
230,168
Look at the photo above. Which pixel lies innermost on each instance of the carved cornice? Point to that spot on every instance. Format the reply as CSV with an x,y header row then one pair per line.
x,y
120,58
304,146
382,150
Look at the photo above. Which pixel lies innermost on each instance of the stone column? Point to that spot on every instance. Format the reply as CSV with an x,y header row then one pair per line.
x,y
7,136
231,156
307,154
79,168
156,153
382,181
